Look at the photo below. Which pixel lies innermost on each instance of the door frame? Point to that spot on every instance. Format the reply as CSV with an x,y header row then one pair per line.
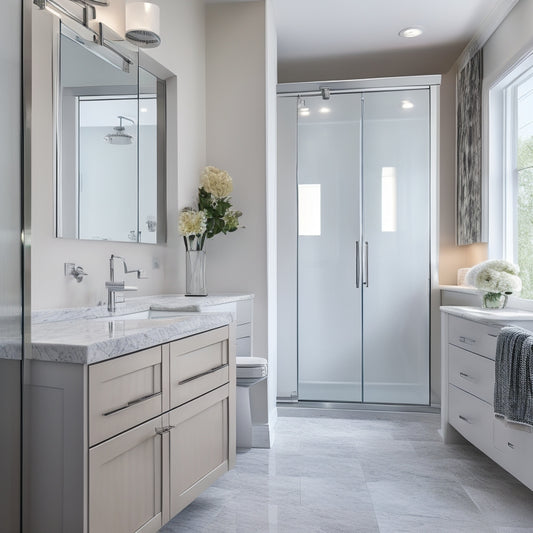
x,y
287,222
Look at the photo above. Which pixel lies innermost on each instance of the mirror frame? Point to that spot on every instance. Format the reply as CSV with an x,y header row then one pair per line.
x,y
162,74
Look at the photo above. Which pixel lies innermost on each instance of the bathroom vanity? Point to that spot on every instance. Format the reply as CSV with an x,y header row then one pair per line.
x,y
469,337
131,417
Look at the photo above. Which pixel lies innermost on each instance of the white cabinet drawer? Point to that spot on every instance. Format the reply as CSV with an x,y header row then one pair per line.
x,y
244,330
244,311
515,441
472,373
198,364
472,417
124,392
472,336
244,347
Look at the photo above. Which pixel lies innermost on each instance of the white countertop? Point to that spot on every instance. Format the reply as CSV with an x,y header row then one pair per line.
x,y
87,341
502,317
163,302
92,334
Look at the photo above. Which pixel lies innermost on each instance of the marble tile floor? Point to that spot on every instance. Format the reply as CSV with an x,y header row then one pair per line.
x,y
359,471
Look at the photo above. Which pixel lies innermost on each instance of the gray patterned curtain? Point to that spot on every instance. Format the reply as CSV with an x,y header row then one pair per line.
x,y
469,85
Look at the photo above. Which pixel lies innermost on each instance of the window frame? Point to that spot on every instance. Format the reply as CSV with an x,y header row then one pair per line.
x,y
500,149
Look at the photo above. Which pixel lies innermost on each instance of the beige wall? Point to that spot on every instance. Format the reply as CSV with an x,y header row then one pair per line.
x,y
183,52
236,142
241,138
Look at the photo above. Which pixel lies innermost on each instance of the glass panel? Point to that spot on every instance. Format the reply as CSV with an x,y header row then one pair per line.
x,y
329,304
396,181
524,245
97,142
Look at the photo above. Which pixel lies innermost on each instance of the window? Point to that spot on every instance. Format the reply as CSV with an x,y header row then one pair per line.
x,y
511,171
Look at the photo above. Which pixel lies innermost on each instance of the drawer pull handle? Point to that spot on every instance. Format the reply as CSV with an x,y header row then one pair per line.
x,y
464,419
212,371
464,375
133,402
467,340
511,445
164,429
493,334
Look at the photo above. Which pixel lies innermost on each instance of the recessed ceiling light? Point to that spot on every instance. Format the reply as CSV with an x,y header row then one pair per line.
x,y
325,110
410,32
407,104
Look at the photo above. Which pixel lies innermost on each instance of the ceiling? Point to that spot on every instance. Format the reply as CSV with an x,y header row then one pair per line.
x,y
360,37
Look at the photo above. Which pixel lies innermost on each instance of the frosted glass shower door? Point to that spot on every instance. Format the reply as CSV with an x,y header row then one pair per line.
x,y
396,226
329,303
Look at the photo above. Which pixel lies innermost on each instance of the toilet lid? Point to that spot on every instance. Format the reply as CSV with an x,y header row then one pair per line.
x,y
251,361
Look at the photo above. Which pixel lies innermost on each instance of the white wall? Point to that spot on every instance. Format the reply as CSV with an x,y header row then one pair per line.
x,y
240,139
183,52
236,140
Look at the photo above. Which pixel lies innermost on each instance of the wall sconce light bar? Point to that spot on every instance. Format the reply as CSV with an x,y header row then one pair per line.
x,y
92,33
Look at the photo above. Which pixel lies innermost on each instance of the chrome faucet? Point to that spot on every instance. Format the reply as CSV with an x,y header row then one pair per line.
x,y
113,286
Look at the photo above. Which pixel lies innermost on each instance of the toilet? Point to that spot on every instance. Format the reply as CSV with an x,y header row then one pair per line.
x,y
250,370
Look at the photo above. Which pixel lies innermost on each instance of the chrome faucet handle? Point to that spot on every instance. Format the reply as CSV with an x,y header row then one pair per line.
x,y
141,274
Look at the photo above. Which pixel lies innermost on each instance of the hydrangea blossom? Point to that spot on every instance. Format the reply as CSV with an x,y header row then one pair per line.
x,y
216,182
495,276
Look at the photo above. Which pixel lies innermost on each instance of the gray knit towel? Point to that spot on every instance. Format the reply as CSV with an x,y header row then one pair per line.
x,y
513,389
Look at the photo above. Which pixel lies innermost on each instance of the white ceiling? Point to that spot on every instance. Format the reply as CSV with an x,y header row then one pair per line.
x,y
365,32
319,29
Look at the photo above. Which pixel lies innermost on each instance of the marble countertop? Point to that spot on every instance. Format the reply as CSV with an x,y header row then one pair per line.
x,y
87,335
163,302
87,341
503,317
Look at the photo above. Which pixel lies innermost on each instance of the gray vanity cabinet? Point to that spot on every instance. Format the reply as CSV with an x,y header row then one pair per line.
x,y
125,482
136,438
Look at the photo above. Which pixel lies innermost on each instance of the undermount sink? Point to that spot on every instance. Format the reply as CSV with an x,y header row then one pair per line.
x,y
149,314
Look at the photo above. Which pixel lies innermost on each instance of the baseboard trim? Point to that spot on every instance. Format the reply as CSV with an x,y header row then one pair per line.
x,y
263,435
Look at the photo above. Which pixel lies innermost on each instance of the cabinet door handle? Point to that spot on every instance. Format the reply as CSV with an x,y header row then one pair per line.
x,y
132,402
493,334
511,445
467,340
212,371
464,419
164,429
464,375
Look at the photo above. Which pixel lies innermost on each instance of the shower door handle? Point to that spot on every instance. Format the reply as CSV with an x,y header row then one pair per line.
x,y
357,265
365,270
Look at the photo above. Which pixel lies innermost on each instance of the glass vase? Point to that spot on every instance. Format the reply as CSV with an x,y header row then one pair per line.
x,y
195,273
493,300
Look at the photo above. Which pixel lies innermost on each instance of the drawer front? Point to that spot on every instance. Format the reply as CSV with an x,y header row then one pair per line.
x,y
515,442
244,311
472,417
244,330
244,347
472,373
199,446
198,364
474,337
123,393
125,478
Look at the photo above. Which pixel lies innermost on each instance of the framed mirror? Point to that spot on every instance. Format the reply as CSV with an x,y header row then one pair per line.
x,y
111,143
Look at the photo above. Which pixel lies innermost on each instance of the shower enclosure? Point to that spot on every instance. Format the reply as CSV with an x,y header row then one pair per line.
x,y
362,181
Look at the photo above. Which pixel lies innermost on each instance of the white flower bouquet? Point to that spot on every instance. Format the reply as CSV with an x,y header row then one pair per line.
x,y
497,279
214,213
